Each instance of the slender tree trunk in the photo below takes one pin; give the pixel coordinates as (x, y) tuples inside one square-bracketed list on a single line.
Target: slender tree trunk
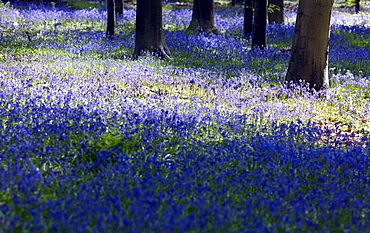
[(276, 11), (149, 37), (357, 6), (111, 18), (309, 56), (203, 17), (248, 17), (259, 26), (118, 7)]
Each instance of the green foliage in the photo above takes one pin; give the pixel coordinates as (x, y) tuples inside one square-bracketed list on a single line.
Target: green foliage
[(129, 145), (85, 4), (355, 39), (351, 3), (272, 8)]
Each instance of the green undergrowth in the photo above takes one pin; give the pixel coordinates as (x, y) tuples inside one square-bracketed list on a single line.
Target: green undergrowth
[(351, 3), (76, 4), (353, 38)]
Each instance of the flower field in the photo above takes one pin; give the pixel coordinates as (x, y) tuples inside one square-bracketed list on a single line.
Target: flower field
[(92, 140)]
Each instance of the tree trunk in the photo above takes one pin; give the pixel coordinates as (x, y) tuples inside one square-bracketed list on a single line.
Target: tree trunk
[(203, 17), (111, 18), (357, 6), (248, 17), (118, 7), (276, 11), (149, 37), (259, 26), (309, 56)]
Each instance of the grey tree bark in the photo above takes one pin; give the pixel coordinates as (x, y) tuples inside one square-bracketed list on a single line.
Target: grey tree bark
[(276, 11), (203, 17), (309, 55), (149, 36)]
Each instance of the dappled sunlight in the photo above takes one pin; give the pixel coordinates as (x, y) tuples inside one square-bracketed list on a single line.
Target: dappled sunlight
[(212, 140)]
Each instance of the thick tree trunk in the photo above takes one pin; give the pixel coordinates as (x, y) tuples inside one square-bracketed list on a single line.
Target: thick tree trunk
[(276, 11), (149, 38), (203, 17), (259, 26), (248, 17), (118, 7), (309, 57), (111, 18)]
